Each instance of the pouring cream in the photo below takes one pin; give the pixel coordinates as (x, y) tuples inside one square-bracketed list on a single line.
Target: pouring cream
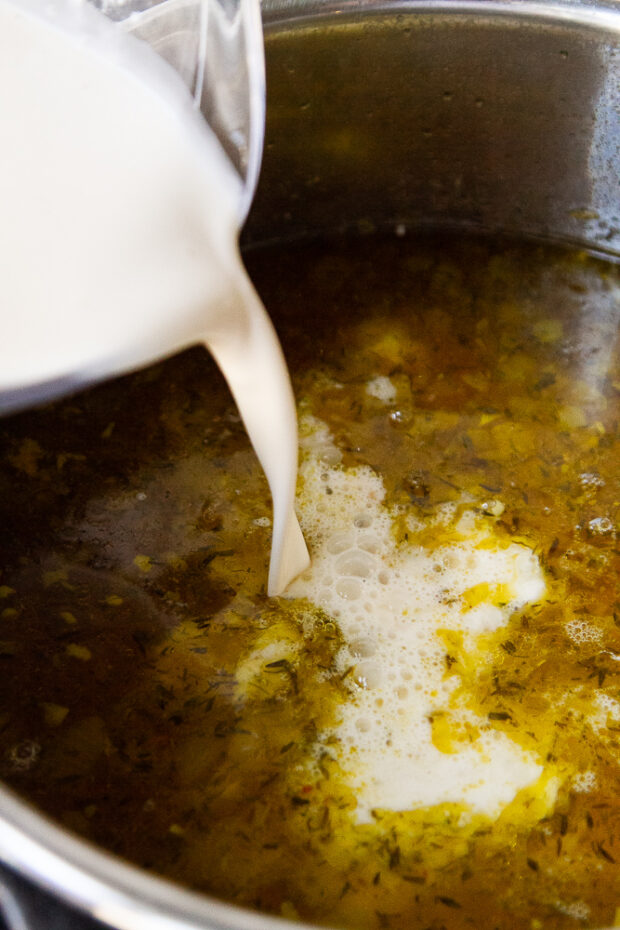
[(119, 238)]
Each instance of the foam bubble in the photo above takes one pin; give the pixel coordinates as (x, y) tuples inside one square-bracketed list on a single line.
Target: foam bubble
[(356, 562), (392, 605), (362, 647), (348, 588), (369, 542), (339, 542), (368, 675)]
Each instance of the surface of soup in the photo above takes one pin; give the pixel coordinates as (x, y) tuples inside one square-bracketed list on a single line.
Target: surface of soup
[(428, 725)]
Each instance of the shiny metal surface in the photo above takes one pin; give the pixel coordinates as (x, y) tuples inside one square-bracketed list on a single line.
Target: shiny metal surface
[(104, 887), (487, 115), (476, 115)]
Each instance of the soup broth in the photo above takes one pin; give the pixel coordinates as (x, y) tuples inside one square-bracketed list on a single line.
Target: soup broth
[(428, 723)]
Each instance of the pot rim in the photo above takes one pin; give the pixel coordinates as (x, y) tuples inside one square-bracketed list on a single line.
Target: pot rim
[(101, 884), (594, 14)]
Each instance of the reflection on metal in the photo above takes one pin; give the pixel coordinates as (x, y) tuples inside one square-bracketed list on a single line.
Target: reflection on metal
[(10, 909), (481, 115)]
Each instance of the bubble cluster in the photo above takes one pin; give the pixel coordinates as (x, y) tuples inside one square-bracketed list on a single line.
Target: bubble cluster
[(582, 631), (601, 526), (583, 782), (392, 604), (606, 708), (578, 910), (591, 480)]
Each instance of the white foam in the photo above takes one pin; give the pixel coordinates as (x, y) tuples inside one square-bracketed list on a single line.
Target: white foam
[(381, 388), (391, 602), (606, 708), (578, 910), (584, 782)]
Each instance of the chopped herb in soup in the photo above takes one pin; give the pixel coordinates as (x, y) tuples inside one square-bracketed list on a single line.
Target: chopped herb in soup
[(425, 732)]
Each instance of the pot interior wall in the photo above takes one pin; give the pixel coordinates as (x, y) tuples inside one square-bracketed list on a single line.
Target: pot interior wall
[(496, 120)]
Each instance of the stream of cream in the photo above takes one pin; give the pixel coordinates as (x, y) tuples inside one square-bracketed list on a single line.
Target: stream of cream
[(118, 235)]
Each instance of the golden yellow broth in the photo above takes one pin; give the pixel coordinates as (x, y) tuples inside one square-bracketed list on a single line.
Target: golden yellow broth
[(133, 577)]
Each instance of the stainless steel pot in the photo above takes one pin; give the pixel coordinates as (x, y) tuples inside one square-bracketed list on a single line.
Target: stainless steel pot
[(475, 114)]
